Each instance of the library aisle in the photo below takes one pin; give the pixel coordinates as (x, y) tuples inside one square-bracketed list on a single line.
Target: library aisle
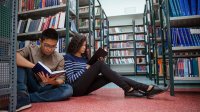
[(158, 46)]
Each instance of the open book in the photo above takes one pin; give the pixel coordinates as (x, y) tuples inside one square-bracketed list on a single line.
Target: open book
[(99, 53), (40, 67)]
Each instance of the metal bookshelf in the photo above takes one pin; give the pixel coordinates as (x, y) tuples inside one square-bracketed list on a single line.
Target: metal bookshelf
[(121, 67), (150, 40), (143, 49), (49, 11), (8, 79), (102, 38), (172, 53), (88, 15)]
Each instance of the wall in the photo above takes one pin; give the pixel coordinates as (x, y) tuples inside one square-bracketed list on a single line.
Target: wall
[(125, 19), (122, 7)]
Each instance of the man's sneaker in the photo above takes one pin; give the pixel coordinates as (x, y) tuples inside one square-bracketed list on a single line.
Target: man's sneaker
[(23, 101), (4, 102)]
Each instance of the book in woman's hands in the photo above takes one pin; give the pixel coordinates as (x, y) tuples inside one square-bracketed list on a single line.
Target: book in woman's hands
[(99, 53), (40, 67)]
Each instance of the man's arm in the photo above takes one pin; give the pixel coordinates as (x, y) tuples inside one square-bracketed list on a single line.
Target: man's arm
[(23, 62), (60, 79)]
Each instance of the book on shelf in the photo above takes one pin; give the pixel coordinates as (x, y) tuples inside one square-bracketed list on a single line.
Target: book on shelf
[(184, 7), (40, 67), (99, 53), (26, 5)]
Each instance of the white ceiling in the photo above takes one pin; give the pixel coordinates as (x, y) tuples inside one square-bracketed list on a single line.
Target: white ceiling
[(122, 7)]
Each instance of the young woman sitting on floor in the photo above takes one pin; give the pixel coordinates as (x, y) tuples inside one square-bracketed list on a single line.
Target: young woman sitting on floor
[(86, 78)]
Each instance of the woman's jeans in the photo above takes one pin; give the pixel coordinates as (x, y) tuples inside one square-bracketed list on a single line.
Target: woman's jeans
[(26, 81)]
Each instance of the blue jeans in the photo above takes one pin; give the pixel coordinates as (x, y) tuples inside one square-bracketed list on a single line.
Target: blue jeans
[(26, 81)]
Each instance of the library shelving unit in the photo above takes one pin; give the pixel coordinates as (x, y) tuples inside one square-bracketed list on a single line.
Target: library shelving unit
[(121, 49), (182, 47), (87, 22), (146, 41), (139, 50), (105, 25), (158, 46), (8, 79), (98, 25), (33, 18), (150, 42), (91, 23), (101, 27)]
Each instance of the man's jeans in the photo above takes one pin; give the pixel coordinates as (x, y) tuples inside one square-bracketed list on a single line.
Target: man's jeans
[(26, 81)]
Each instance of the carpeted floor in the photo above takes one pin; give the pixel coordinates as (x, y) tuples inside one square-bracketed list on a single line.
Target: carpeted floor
[(113, 100)]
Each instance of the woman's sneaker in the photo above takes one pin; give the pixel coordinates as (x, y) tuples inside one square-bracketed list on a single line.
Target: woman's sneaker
[(134, 93), (155, 91)]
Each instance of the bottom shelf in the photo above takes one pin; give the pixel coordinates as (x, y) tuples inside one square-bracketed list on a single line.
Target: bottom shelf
[(187, 78), (141, 73), (127, 73)]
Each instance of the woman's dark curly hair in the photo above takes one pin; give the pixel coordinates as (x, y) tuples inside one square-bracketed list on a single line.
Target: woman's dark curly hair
[(75, 44)]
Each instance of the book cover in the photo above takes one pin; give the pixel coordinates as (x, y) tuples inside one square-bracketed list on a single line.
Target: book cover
[(40, 67), (99, 53)]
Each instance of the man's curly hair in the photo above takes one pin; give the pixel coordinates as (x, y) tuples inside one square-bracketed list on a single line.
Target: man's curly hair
[(75, 44)]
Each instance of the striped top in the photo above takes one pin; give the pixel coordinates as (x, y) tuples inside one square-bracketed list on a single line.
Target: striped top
[(74, 67)]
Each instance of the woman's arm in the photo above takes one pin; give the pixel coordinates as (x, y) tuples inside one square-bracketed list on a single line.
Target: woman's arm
[(74, 70)]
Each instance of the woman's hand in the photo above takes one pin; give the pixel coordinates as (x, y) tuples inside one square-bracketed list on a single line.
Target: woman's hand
[(101, 59), (45, 78), (87, 66)]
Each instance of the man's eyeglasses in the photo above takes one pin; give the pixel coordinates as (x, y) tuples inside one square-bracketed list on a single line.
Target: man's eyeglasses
[(49, 46)]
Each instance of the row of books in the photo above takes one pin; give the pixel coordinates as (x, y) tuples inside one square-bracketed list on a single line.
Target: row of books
[(21, 44), (187, 67), (139, 29), (141, 69), (86, 10), (140, 44), (183, 37), (84, 23), (99, 33), (184, 7), (26, 5), (61, 45), (121, 44), (120, 29), (57, 22), (122, 53), (120, 37), (139, 37), (121, 61), (140, 52)]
